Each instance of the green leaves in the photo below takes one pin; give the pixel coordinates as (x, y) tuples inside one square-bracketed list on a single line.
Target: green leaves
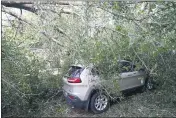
[(146, 37), (115, 5), (118, 28)]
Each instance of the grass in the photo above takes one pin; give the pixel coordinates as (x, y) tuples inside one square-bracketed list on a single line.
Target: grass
[(147, 104), (156, 103)]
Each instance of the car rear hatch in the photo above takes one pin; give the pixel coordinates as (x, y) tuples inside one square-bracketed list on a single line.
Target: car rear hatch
[(72, 78)]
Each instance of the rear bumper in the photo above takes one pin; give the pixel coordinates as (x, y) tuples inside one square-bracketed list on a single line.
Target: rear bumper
[(76, 102)]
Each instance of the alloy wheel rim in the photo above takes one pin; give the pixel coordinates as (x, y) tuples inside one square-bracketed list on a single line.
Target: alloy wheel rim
[(101, 102), (149, 85)]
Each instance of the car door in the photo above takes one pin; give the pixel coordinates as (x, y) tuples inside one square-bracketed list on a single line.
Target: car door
[(129, 78), (93, 76)]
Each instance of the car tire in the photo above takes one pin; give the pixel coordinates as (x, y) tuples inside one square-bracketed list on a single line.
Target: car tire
[(99, 103), (149, 84)]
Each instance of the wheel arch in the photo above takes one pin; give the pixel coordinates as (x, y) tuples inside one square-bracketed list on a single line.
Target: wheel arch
[(90, 96)]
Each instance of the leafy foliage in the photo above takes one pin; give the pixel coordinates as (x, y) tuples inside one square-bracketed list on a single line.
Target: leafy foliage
[(35, 57)]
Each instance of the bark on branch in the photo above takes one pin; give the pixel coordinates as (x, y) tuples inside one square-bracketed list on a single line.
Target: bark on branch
[(29, 6), (21, 5)]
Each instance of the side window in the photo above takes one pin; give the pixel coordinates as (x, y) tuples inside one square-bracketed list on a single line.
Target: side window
[(94, 72), (125, 67)]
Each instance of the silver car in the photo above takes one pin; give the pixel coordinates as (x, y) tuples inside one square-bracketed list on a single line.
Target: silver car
[(80, 86)]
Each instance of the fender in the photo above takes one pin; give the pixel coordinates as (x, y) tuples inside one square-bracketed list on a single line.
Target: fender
[(90, 95)]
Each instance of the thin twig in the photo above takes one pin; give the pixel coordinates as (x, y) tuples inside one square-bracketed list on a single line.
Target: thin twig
[(59, 91), (56, 41), (140, 58), (24, 94)]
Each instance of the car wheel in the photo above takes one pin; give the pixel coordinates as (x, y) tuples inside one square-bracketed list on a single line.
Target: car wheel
[(99, 103), (149, 84)]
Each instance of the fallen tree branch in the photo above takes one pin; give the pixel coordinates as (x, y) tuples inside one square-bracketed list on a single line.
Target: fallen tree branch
[(29, 5), (59, 91), (24, 94), (16, 16), (140, 59), (21, 5), (127, 18), (56, 41)]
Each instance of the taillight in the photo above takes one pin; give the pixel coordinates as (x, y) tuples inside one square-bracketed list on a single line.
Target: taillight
[(71, 97), (74, 80)]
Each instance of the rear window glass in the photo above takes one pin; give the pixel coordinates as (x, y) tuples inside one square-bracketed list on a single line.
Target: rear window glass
[(75, 71)]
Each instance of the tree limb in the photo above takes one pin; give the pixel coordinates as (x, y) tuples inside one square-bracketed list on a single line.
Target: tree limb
[(125, 17), (23, 94), (16, 16), (21, 5), (28, 5), (52, 39), (140, 59)]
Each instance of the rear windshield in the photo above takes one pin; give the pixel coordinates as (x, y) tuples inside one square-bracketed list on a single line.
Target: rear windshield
[(75, 71)]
